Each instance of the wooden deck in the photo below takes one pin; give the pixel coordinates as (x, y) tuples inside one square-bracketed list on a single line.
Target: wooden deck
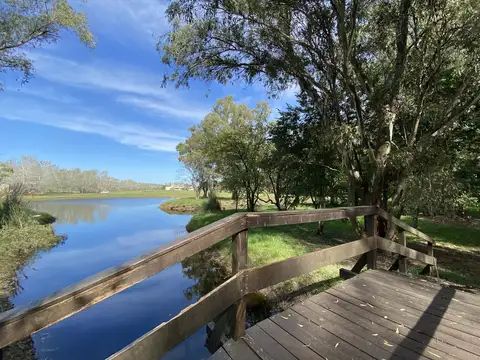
[(375, 315)]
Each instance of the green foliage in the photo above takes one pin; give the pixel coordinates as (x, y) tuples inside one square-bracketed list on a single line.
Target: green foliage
[(27, 24), (212, 204), (230, 143), (395, 83), (22, 235)]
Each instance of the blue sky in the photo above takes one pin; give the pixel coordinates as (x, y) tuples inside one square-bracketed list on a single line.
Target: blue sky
[(106, 109)]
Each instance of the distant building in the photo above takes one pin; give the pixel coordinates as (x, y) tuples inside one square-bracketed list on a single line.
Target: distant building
[(178, 187)]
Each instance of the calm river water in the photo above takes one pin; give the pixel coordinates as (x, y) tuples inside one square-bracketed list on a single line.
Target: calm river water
[(103, 233)]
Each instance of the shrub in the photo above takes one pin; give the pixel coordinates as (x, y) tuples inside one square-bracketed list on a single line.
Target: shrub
[(212, 204)]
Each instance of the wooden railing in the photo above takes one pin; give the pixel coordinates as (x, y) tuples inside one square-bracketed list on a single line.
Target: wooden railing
[(21, 322)]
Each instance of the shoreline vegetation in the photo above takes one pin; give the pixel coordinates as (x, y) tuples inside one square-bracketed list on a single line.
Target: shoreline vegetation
[(24, 233)]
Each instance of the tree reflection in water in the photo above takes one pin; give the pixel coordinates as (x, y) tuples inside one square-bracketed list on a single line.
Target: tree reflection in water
[(208, 271), (73, 212)]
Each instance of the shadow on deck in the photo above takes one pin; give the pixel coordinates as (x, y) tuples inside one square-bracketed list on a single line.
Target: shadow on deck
[(377, 314)]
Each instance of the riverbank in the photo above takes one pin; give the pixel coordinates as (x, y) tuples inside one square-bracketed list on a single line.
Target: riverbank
[(190, 205), (457, 252), (113, 195)]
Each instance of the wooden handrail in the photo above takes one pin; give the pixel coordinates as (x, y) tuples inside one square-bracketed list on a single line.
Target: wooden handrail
[(387, 216), (21, 322), (164, 337)]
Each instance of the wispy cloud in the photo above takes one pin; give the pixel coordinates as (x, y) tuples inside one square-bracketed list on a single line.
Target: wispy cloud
[(46, 93), (161, 108), (127, 19), (99, 76), (146, 138)]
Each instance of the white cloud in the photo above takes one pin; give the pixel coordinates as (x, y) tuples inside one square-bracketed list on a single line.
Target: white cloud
[(158, 107), (127, 20), (46, 93), (99, 76), (131, 134)]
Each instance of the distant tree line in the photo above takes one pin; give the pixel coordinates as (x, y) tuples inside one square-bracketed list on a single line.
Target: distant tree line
[(40, 176)]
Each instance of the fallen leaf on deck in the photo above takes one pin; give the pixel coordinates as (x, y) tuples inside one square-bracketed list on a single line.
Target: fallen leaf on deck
[(374, 334), (284, 317), (300, 325), (336, 345), (387, 343)]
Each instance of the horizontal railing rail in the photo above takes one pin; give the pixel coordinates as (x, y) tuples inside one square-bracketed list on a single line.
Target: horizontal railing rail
[(21, 322)]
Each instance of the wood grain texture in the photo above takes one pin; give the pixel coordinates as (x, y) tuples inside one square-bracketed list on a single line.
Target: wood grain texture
[(164, 337), (404, 226), (390, 246), (264, 219), (263, 276), (239, 263)]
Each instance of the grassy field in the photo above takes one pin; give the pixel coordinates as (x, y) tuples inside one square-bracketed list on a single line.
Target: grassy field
[(457, 249), (118, 194)]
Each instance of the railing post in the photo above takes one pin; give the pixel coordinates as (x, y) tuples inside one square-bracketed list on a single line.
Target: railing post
[(371, 230), (429, 268), (239, 263), (402, 260)]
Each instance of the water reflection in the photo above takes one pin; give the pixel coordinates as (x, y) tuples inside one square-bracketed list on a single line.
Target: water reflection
[(206, 270), (72, 212)]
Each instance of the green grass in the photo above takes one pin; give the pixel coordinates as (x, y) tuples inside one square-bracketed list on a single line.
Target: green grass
[(116, 194), (449, 235), (267, 245), (192, 205), (456, 249)]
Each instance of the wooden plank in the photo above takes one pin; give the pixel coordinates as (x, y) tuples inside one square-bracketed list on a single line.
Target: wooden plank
[(402, 260), (334, 325), (393, 312), (381, 317), (404, 346), (428, 270), (416, 289), (265, 346), (220, 354), (20, 322), (465, 299), (346, 274), (263, 219), (360, 264), (164, 337), (261, 277), (371, 228), (289, 342), (404, 226), (441, 307), (318, 339), (390, 246), (239, 263), (412, 308), (239, 350)]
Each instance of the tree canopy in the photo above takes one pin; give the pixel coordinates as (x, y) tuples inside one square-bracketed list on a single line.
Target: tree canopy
[(27, 24), (396, 82)]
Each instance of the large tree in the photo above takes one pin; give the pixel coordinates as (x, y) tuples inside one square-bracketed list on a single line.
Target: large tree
[(27, 24), (232, 140), (397, 78)]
